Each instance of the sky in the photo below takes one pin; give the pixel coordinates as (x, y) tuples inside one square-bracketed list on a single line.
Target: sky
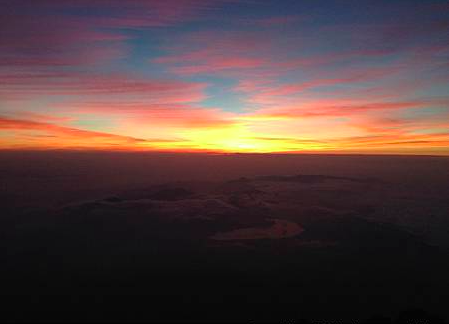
[(225, 76)]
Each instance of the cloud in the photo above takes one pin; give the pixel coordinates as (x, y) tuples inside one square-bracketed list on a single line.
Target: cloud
[(34, 41), (275, 21), (18, 124), (35, 134), (218, 64), (291, 82), (142, 114), (52, 33), (44, 84), (218, 51), (332, 108), (189, 118), (122, 14)]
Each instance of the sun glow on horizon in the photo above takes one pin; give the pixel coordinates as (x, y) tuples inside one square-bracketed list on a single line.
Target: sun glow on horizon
[(126, 75)]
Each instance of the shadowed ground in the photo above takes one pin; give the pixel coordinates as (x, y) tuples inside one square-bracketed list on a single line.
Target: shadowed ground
[(345, 244)]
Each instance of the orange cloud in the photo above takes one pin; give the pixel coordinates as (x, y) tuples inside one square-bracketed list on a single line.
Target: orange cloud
[(33, 134)]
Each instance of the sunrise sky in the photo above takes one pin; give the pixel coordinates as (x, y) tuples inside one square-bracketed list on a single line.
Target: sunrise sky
[(225, 76)]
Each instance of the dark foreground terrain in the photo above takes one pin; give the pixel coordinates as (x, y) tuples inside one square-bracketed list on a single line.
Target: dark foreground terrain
[(236, 238)]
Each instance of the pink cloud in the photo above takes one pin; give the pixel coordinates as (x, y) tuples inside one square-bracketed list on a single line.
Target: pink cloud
[(218, 64), (335, 108), (31, 85), (47, 33), (210, 52), (38, 41)]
